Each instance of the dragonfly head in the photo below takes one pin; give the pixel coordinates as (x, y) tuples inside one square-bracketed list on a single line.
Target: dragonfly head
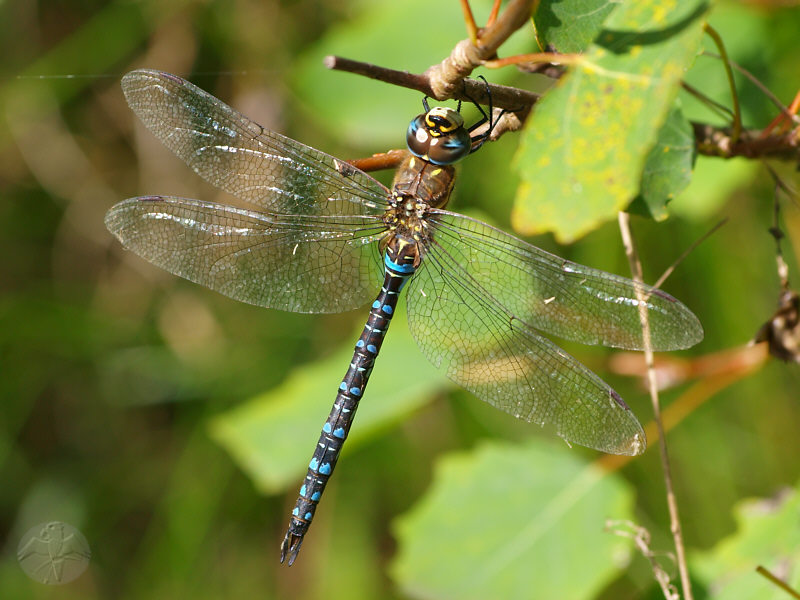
[(439, 136)]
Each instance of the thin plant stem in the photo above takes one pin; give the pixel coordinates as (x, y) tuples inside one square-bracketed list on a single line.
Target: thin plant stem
[(469, 21), (712, 104), (737, 115), (641, 539), (756, 82), (537, 57), (686, 252), (774, 579), (493, 15), (652, 384)]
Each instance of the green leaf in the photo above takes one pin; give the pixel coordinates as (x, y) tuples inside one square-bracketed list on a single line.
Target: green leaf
[(668, 169), (583, 150), (570, 26), (767, 535), (272, 436), (513, 522)]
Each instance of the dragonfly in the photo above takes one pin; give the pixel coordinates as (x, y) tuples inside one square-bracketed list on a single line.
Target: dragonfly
[(322, 236)]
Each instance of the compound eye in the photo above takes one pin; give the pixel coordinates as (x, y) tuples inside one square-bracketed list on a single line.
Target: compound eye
[(418, 138), (450, 148)]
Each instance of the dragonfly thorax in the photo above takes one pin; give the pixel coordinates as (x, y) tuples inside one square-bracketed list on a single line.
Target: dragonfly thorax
[(418, 181), (439, 136)]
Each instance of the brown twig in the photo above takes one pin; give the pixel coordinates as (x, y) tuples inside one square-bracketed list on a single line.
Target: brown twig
[(503, 96), (719, 141), (445, 77), (675, 523)]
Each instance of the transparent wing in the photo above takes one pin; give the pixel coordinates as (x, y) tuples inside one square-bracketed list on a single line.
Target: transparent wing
[(461, 329), (298, 263), (560, 297), (270, 171)]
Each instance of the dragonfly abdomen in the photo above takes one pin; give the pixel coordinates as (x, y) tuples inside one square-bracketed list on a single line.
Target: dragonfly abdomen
[(351, 390)]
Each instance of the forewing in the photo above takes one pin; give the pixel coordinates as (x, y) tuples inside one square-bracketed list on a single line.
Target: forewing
[(560, 297), (480, 346), (298, 263), (268, 170)]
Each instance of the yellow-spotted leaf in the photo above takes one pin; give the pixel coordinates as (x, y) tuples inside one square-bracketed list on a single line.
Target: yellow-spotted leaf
[(584, 149)]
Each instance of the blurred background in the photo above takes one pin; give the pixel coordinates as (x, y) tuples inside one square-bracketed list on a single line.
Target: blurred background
[(162, 419)]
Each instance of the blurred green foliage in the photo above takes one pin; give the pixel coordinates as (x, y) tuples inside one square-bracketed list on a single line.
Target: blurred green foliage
[(122, 387)]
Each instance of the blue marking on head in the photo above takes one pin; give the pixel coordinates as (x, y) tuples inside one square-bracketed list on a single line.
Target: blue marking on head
[(355, 391), (308, 516), (303, 490), (413, 127), (339, 433), (325, 469), (360, 344), (316, 496), (326, 428), (313, 464), (296, 512), (372, 348), (393, 266), (343, 386), (453, 143), (376, 304), (387, 309)]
